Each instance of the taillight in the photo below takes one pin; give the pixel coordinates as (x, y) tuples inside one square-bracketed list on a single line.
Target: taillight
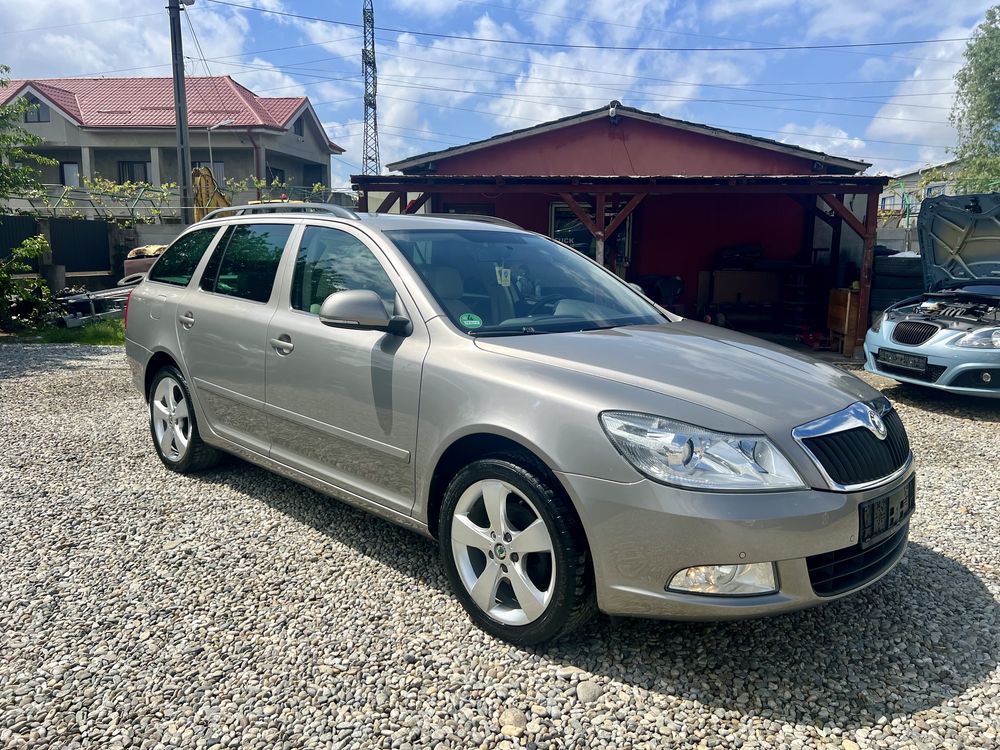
[(127, 300)]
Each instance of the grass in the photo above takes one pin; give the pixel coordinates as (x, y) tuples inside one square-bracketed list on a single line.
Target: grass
[(104, 332)]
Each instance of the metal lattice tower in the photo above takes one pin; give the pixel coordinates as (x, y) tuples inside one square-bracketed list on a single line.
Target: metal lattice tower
[(369, 163)]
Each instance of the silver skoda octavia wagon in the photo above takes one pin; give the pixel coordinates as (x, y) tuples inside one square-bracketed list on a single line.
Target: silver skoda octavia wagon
[(570, 445)]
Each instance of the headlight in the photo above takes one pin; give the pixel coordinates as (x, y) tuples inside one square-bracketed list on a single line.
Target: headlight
[(681, 454), (987, 338), (878, 322)]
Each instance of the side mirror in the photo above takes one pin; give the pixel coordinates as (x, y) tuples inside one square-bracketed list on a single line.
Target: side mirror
[(362, 309)]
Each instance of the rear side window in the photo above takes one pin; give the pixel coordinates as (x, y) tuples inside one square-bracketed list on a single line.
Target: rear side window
[(329, 261), (246, 261), (177, 264)]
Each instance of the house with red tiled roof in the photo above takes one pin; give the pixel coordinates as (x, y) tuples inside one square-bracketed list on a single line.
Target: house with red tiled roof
[(123, 129)]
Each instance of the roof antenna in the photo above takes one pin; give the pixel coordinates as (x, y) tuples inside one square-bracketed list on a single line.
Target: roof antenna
[(613, 111)]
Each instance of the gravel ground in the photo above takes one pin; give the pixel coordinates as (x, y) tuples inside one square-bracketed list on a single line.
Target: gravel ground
[(139, 608)]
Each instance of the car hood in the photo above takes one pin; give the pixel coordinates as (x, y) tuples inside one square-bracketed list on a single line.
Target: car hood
[(959, 238), (767, 386)]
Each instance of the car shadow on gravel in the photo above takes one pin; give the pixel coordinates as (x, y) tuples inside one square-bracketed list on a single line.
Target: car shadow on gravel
[(923, 635), (942, 402)]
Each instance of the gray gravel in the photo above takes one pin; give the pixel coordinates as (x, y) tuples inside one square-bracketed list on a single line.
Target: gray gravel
[(139, 608)]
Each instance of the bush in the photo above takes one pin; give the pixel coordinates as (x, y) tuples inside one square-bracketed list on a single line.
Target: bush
[(24, 303)]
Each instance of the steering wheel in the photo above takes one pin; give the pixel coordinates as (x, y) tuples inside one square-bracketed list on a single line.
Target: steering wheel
[(548, 299)]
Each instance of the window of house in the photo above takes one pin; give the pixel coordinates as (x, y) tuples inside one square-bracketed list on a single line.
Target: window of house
[(933, 190), (134, 171), (217, 167), (177, 263), (273, 173), (565, 226), (39, 112), (298, 127), (329, 261), (69, 173), (246, 260), (889, 202)]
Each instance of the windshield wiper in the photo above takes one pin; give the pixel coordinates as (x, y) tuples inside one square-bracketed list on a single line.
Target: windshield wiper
[(522, 331)]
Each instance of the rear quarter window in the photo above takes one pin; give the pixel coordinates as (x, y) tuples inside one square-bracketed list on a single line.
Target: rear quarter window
[(176, 265)]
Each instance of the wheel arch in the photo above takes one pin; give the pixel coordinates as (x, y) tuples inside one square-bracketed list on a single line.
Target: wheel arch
[(157, 362), (487, 444)]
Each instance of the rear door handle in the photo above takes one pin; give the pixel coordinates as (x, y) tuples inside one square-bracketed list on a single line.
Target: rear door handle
[(283, 345), (187, 320)]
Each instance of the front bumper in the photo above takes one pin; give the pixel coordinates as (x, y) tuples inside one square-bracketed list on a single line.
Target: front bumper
[(950, 368), (641, 534)]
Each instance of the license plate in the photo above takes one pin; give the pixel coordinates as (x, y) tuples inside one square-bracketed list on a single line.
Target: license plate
[(901, 359), (882, 517)]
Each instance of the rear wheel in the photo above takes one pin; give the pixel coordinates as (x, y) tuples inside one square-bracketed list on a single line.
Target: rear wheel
[(514, 552), (173, 425)]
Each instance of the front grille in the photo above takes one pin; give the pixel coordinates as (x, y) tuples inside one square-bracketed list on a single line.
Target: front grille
[(912, 333), (857, 456), (930, 374), (835, 572)]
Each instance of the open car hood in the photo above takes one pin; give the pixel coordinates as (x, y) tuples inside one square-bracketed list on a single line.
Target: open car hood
[(959, 238)]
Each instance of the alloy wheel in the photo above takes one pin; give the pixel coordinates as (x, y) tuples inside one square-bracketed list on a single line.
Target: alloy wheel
[(503, 552), (171, 419)]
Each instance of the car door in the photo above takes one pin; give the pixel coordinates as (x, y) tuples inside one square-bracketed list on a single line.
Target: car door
[(342, 404), (222, 328)]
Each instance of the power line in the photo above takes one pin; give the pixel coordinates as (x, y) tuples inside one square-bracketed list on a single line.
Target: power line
[(622, 48), (78, 23)]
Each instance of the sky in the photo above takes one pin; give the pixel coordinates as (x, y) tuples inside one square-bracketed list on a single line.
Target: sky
[(454, 71)]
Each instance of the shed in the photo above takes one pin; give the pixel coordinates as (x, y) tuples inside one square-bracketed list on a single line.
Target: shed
[(751, 227)]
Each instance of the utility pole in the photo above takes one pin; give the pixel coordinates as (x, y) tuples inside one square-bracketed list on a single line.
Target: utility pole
[(369, 159), (180, 110)]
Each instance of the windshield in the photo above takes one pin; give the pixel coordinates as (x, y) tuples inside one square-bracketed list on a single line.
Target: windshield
[(511, 283)]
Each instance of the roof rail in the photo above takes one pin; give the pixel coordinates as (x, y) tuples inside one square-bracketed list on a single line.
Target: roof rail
[(476, 217), (282, 207)]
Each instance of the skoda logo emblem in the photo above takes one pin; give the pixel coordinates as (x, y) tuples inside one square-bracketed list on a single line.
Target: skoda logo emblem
[(500, 551), (876, 425)]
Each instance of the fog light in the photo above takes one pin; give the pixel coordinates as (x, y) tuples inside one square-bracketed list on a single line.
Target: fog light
[(986, 377), (726, 580)]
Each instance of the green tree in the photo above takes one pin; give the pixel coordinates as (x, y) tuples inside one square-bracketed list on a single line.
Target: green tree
[(17, 177), (976, 111)]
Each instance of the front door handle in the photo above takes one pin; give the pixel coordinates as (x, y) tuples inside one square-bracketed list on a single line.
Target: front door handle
[(187, 320), (283, 345)]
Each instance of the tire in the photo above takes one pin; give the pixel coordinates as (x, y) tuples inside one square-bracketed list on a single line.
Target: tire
[(905, 283), (491, 572), (892, 266), (173, 425)]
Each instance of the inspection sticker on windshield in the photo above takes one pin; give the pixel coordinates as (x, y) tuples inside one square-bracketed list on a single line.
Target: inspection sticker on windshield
[(470, 320)]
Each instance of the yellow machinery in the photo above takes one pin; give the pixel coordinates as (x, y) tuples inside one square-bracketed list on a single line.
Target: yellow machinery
[(207, 195)]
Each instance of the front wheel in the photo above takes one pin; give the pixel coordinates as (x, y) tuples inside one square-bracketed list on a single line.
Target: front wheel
[(514, 552), (174, 427)]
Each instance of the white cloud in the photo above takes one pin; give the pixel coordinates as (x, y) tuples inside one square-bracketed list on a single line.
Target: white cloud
[(822, 136)]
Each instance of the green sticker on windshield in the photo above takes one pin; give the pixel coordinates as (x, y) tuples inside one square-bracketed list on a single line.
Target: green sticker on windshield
[(470, 320)]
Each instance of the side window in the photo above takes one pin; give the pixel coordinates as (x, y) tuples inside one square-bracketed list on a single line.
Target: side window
[(329, 261), (246, 260), (177, 263)]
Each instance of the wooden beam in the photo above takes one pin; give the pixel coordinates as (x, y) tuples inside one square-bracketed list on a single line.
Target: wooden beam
[(363, 201), (389, 202), (841, 210), (582, 215), (867, 262), (413, 206), (599, 216), (623, 214), (633, 188)]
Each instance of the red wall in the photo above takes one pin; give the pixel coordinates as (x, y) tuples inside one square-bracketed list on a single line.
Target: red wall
[(674, 235), (633, 147)]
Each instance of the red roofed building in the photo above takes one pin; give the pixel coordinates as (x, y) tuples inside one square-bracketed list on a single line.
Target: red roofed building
[(123, 129)]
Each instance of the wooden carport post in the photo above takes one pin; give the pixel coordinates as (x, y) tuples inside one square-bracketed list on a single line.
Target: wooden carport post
[(597, 227), (867, 232)]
